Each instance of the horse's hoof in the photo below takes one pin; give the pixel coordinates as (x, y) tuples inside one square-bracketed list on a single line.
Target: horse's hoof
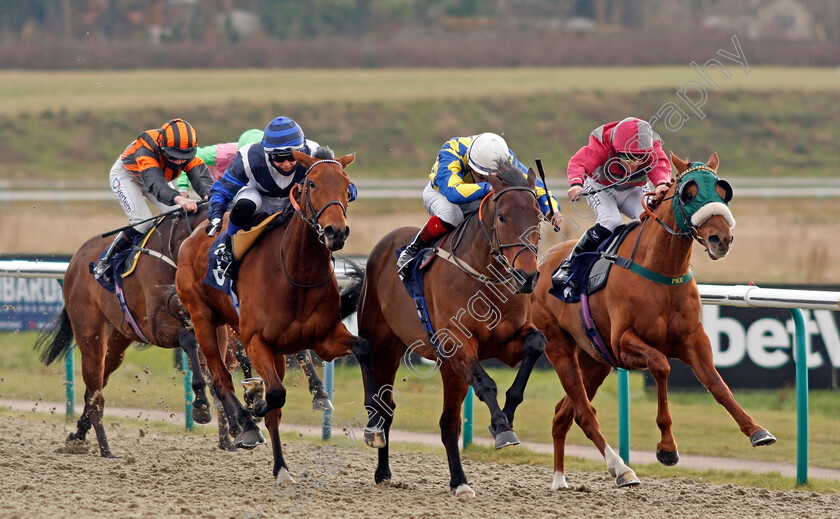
[(505, 439), (261, 408), (322, 404), (201, 414), (375, 439), (74, 438), (381, 477), (463, 490), (227, 445), (284, 478), (762, 437), (249, 439), (559, 481), (668, 458), (628, 479)]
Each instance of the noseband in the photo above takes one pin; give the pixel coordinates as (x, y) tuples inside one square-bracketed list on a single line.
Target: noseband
[(306, 201), (492, 240), (312, 221), (493, 236)]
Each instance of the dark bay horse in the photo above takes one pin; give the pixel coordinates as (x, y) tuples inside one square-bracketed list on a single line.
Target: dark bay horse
[(477, 305), (643, 322), (288, 295), (93, 316)]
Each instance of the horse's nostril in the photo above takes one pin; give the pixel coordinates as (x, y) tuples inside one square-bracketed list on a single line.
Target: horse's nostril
[(714, 239), (346, 232), (329, 231)]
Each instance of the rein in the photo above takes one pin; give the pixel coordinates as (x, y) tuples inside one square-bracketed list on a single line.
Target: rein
[(311, 221), (492, 239)]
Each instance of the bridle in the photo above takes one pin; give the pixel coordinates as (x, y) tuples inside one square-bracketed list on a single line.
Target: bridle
[(311, 220), (492, 236), (306, 201), (680, 212)]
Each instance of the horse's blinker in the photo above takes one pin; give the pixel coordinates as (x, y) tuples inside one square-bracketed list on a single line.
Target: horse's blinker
[(704, 178)]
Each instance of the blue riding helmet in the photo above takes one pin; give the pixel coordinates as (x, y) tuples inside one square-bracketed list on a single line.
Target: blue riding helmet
[(282, 135)]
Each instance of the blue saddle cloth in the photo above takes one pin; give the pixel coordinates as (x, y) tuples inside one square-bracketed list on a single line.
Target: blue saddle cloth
[(582, 276), (215, 273), (579, 280), (118, 263), (414, 284)]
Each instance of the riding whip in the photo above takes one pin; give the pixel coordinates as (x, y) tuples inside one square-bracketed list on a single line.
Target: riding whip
[(548, 196), (115, 231)]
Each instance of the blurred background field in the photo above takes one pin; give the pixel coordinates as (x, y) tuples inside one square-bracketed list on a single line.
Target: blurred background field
[(773, 123)]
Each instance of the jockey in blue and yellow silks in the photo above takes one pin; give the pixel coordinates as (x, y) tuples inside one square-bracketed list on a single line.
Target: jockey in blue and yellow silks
[(458, 184)]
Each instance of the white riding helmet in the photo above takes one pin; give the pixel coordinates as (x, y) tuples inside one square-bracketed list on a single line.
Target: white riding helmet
[(485, 150)]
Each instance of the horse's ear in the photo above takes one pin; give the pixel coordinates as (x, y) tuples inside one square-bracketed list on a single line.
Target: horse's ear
[(678, 162), (303, 158), (532, 179), (495, 182), (346, 160), (713, 162)]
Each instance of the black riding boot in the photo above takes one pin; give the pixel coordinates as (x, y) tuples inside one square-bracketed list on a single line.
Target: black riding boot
[(226, 258), (102, 270), (589, 242), (408, 254)]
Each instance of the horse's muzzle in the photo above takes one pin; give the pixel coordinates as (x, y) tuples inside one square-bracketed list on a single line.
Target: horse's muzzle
[(334, 238), (718, 247), (525, 282)]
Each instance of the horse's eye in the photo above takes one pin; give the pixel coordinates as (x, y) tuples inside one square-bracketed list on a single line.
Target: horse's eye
[(501, 218), (312, 185)]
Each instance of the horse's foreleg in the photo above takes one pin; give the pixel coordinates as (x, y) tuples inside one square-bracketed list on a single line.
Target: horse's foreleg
[(272, 367), (699, 357), (201, 406), (636, 354), (241, 356), (249, 435), (454, 390), (533, 345), (465, 363), (581, 376), (320, 399)]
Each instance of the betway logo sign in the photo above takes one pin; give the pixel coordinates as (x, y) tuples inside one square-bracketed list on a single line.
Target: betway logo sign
[(769, 342)]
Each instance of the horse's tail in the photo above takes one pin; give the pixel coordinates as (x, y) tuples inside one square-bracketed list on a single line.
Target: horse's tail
[(56, 338), (350, 294)]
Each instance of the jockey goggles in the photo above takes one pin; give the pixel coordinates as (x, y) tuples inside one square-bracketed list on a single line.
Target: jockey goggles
[(175, 154), (279, 158), (632, 157)]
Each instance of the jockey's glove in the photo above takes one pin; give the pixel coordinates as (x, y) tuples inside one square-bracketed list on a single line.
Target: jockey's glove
[(214, 226)]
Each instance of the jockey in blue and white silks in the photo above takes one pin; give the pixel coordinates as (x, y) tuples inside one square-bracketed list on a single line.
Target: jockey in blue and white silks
[(260, 177), (458, 185)]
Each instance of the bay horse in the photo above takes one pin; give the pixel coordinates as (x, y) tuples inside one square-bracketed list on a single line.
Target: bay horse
[(288, 296), (478, 305), (92, 315), (645, 314)]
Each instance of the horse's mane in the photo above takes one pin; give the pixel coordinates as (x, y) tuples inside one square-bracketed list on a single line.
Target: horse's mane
[(510, 174), (324, 152)]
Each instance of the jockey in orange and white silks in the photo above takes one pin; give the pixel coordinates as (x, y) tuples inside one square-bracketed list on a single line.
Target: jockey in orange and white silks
[(458, 186), (613, 171), (145, 170)]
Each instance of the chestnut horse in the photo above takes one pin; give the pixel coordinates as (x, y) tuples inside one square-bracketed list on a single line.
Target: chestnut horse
[(643, 321), (93, 316), (288, 295), (478, 307)]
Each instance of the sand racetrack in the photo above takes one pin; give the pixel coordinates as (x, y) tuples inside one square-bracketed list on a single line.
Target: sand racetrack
[(170, 475)]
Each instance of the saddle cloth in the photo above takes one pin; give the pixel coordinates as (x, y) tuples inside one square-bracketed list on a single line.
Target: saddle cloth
[(590, 270)]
